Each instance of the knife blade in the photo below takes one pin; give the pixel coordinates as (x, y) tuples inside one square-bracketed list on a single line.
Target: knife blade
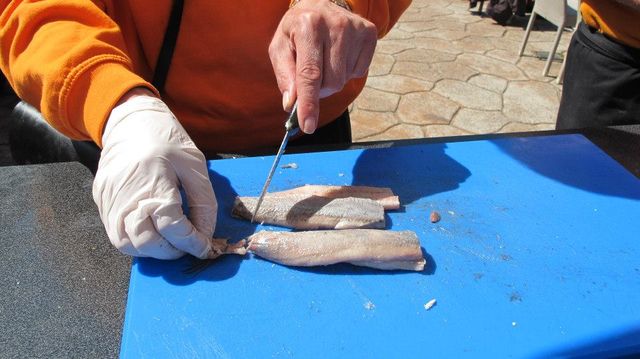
[(291, 127)]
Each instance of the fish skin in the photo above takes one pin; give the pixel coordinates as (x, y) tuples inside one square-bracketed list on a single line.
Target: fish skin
[(382, 195), (312, 212), (381, 249)]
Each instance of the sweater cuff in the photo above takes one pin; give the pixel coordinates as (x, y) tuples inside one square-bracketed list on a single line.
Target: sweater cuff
[(93, 93)]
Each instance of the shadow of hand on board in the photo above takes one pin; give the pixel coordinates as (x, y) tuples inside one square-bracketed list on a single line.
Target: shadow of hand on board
[(412, 172)]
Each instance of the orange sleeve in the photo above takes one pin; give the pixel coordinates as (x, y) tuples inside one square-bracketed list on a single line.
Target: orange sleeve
[(383, 13), (68, 59)]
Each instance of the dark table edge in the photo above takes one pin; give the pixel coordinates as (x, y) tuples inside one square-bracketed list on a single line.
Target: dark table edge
[(621, 143)]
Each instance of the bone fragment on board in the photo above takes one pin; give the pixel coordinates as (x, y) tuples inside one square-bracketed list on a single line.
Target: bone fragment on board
[(381, 249), (312, 212), (382, 195)]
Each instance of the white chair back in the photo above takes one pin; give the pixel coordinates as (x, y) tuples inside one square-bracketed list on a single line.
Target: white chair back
[(552, 10)]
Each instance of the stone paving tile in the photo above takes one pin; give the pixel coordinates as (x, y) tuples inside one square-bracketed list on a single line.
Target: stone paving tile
[(533, 66), (398, 132), (504, 55), (381, 64), (524, 127), (437, 44), (416, 26), (446, 71), (507, 44), (448, 35), (489, 82), (531, 102), (372, 123), (376, 100), (468, 95), (424, 108), (491, 66), (397, 34), (452, 71), (392, 47), (474, 44), (424, 55), (399, 84), (486, 29), (443, 131), (479, 122)]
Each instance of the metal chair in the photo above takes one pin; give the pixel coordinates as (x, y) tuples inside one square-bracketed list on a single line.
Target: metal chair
[(557, 12)]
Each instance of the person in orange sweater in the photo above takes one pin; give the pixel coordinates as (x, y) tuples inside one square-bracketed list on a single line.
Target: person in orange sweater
[(236, 68), (602, 75)]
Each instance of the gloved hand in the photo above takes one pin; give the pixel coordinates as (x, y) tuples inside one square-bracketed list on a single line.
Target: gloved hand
[(147, 155)]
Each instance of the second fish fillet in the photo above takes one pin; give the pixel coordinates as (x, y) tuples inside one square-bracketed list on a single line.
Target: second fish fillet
[(373, 248)]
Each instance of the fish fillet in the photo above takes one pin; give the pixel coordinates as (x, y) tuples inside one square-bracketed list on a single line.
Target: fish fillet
[(312, 212), (381, 249), (382, 195)]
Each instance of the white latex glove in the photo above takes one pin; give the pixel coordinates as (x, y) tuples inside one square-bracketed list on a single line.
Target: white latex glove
[(147, 155)]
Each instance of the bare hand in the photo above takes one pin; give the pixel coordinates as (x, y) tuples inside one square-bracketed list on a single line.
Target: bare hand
[(317, 48)]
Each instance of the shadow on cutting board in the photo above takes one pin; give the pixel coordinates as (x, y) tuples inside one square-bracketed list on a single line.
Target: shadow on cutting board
[(412, 174), (624, 343), (574, 161)]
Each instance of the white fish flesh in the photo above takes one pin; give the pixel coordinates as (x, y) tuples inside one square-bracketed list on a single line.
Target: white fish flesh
[(381, 249), (382, 195), (312, 212)]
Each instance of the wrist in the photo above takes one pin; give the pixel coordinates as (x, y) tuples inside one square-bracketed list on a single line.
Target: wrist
[(342, 3), (135, 92)]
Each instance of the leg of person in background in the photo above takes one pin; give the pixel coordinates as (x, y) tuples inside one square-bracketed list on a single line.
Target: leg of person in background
[(601, 82)]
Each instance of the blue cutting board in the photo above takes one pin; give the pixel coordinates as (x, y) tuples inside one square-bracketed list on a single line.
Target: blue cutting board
[(537, 254)]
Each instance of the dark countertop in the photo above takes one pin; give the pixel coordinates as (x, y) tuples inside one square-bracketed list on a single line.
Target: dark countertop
[(65, 286)]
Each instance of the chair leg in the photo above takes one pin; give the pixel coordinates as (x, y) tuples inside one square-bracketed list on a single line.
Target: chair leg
[(561, 73), (526, 33), (552, 53), (560, 78), (481, 5)]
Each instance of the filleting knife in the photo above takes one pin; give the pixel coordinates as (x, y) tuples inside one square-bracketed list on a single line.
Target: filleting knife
[(291, 127)]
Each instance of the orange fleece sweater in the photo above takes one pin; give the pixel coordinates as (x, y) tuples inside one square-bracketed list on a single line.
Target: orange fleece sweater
[(73, 60), (615, 20)]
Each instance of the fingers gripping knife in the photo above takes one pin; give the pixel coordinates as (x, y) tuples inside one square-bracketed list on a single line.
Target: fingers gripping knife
[(291, 127)]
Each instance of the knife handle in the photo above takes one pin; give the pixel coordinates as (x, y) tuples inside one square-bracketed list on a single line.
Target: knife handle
[(292, 125)]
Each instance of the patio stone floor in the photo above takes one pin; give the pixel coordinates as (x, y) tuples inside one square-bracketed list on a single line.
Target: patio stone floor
[(445, 70)]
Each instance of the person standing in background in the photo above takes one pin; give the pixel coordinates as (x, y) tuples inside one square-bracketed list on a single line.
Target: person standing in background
[(602, 75)]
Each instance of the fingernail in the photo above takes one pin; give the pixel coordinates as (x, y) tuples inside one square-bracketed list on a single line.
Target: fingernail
[(309, 125), (285, 100)]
